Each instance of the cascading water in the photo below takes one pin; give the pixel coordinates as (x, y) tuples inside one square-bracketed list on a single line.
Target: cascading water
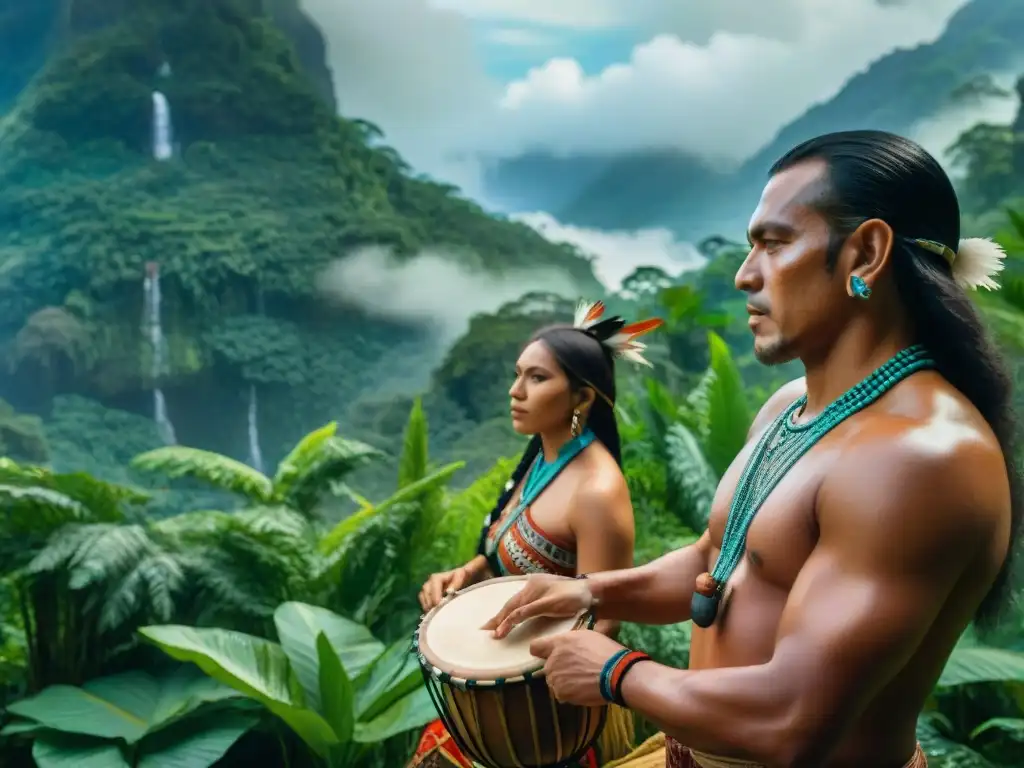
[(163, 131), (255, 454), (151, 320)]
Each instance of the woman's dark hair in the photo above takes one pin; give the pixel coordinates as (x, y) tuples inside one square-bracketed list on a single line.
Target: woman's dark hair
[(878, 175), (587, 363)]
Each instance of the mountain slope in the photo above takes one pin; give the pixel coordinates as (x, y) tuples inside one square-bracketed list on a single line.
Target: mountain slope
[(895, 92), (266, 188)]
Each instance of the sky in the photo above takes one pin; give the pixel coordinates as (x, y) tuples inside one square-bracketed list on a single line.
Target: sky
[(454, 83)]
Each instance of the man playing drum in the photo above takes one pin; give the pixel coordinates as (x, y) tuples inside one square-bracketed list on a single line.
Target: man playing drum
[(887, 503)]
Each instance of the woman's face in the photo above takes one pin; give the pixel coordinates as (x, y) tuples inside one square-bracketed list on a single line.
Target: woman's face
[(542, 399)]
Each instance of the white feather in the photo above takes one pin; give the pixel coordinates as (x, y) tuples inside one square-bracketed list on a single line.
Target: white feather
[(581, 313), (634, 356), (977, 262)]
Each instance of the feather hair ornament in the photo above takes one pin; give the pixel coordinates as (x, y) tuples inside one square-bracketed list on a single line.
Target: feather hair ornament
[(974, 265), (613, 332)]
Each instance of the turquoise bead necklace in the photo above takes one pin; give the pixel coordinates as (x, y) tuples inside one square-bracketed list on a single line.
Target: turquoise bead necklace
[(541, 475), (779, 448)]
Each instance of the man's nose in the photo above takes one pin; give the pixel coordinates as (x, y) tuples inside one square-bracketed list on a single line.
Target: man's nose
[(748, 276)]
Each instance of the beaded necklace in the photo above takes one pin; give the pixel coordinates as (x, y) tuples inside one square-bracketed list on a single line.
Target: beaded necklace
[(540, 477), (779, 448)]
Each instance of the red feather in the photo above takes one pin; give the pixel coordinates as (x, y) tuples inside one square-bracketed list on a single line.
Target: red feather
[(595, 312), (644, 326)]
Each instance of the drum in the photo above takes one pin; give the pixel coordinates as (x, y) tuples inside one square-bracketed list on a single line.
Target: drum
[(490, 693)]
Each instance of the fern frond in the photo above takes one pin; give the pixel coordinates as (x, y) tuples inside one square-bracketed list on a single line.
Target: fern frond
[(32, 511), (304, 452), (415, 457), (153, 584), (108, 555), (304, 485), (221, 472), (692, 478)]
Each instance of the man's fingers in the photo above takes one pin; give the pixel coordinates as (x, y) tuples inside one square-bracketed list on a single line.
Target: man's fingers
[(518, 616), (542, 647), (510, 605)]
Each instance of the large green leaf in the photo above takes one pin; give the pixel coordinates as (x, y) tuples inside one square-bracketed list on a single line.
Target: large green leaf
[(944, 752), (256, 667), (728, 416), (409, 712), (979, 664), (53, 749), (335, 690), (197, 742), (298, 624), (393, 676), (124, 706)]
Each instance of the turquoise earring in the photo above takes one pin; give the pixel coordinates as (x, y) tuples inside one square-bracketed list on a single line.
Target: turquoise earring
[(859, 288)]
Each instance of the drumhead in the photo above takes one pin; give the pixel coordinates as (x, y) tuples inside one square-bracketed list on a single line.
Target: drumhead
[(450, 638)]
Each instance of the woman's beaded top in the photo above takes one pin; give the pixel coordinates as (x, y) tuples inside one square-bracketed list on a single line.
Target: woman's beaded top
[(778, 449)]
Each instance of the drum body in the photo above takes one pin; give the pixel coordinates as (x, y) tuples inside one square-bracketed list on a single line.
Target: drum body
[(491, 694)]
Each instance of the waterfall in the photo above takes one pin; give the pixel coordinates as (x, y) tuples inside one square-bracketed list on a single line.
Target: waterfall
[(255, 455), (151, 320), (163, 132)]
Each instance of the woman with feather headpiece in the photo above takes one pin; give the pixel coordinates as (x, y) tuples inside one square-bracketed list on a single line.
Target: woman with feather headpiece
[(566, 509)]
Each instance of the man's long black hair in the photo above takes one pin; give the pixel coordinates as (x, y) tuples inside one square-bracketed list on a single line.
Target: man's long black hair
[(878, 175)]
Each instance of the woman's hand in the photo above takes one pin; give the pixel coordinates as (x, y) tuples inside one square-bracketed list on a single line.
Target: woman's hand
[(544, 595), (440, 584)]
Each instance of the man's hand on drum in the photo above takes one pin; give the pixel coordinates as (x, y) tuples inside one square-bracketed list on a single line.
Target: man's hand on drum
[(440, 584), (543, 595), (574, 664)]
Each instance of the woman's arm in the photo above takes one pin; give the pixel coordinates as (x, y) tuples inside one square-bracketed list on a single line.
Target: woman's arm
[(602, 521)]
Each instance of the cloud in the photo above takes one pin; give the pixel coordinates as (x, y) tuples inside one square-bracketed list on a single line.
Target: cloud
[(432, 288), (723, 98), (578, 14), (412, 69), (938, 133), (518, 37), (617, 253)]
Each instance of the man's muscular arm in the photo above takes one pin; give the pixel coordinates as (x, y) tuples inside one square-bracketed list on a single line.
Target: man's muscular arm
[(901, 520), (656, 593)]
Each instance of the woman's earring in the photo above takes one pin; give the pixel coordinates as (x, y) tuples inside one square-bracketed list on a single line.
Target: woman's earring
[(858, 288), (574, 430)]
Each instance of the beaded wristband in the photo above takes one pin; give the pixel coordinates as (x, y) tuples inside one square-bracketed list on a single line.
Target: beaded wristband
[(614, 672), (606, 674)]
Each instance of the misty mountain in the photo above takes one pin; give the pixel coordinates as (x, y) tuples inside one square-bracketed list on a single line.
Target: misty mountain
[(670, 188)]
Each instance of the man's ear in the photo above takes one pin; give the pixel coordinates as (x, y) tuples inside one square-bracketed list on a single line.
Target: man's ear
[(867, 252)]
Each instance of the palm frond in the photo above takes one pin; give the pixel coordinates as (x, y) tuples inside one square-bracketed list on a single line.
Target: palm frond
[(222, 472)]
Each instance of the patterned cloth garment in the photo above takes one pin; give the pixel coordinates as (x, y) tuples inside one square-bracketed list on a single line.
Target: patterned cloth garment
[(527, 548), (678, 756)]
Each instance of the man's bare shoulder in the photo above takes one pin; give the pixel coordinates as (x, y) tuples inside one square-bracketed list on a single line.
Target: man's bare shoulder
[(777, 403), (940, 471)]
